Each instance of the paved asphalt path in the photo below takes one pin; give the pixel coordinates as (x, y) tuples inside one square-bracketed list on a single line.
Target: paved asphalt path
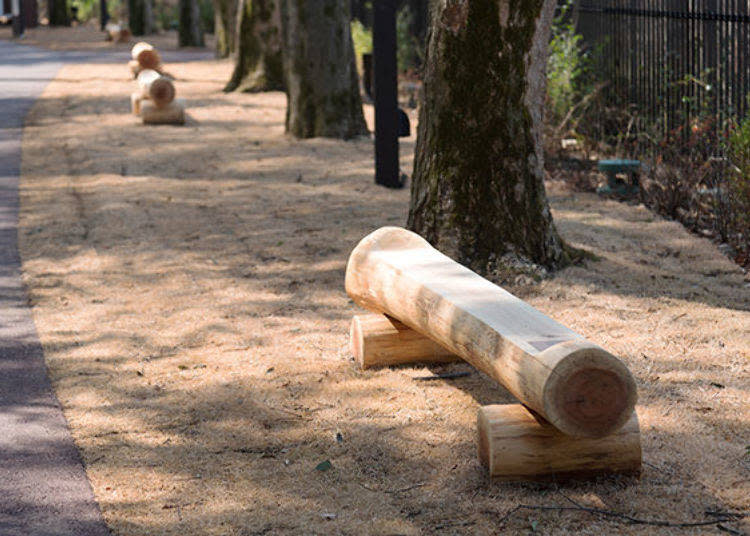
[(44, 490)]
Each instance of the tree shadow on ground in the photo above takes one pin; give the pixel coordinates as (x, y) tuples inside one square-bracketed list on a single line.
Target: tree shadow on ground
[(188, 288)]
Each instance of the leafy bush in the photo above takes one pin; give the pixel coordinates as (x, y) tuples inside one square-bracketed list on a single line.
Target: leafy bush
[(409, 52), (167, 15), (567, 66), (362, 38), (89, 9), (207, 15), (735, 190)]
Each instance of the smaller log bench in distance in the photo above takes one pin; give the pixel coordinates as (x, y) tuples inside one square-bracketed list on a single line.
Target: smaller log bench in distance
[(159, 89), (580, 388), (146, 56), (155, 102), (117, 33)]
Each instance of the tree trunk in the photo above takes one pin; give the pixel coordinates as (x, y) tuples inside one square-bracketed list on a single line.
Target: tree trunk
[(138, 11), (320, 71), (225, 26), (57, 11), (149, 23), (258, 65), (190, 29), (477, 189)]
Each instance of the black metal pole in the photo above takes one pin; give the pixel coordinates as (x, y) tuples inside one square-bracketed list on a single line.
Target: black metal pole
[(386, 94), (18, 22), (103, 14)]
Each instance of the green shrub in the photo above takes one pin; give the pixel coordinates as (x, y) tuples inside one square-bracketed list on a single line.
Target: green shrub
[(167, 16), (207, 15), (735, 196), (408, 47), (567, 67)]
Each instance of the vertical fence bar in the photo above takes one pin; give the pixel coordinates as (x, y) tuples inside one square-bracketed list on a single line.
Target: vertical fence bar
[(742, 52)]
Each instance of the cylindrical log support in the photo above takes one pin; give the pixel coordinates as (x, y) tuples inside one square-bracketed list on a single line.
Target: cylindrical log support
[(378, 340), (146, 55), (135, 102), (580, 388), (156, 87), (171, 114), (515, 444)]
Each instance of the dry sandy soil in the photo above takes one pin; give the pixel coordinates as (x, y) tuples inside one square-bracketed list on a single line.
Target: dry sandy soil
[(187, 285)]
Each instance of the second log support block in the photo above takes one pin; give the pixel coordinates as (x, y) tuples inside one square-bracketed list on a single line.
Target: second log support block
[(380, 341), (515, 444), (171, 114)]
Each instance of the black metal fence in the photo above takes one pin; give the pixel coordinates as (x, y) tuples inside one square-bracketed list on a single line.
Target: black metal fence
[(673, 62)]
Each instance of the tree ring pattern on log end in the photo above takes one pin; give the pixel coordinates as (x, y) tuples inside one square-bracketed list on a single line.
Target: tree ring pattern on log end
[(149, 59), (590, 393), (162, 91)]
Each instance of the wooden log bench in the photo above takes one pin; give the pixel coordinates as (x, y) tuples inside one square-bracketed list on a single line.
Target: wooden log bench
[(155, 101), (579, 393), (146, 56)]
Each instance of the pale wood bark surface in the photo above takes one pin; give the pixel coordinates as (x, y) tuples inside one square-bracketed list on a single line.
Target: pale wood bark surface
[(146, 55), (377, 340), (171, 114), (514, 444), (579, 387), (159, 89)]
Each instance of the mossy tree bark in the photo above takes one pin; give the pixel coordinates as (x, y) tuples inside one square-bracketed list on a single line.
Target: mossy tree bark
[(477, 189), (57, 12), (258, 62), (190, 32), (320, 71), (225, 26), (141, 17)]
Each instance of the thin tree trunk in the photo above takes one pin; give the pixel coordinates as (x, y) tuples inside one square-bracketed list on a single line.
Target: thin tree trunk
[(57, 12), (141, 17), (322, 81), (136, 17), (103, 14), (258, 63), (149, 23), (190, 29), (477, 188), (225, 27)]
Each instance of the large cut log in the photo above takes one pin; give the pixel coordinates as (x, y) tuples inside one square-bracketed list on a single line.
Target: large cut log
[(577, 386), (159, 89), (515, 444), (171, 114), (377, 340), (146, 55)]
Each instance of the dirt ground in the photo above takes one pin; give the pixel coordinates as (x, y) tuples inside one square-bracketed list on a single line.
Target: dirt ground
[(187, 285)]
